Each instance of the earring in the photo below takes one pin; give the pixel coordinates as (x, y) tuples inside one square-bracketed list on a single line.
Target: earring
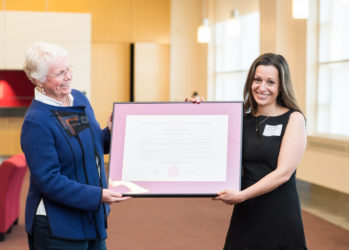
[(43, 91)]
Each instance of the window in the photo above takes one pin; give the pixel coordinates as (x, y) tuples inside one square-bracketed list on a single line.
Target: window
[(333, 68), (234, 55)]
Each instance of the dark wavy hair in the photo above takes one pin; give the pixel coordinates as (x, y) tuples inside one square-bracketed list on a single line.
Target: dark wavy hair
[(286, 96)]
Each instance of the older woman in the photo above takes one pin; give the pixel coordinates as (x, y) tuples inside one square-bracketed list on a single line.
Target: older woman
[(67, 202)]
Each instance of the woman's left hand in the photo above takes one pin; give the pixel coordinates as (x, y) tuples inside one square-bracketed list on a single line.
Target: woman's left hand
[(230, 196), (109, 196)]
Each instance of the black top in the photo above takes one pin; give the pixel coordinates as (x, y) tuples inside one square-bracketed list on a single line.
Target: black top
[(272, 220)]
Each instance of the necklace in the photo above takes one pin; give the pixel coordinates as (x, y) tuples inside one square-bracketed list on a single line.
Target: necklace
[(259, 123)]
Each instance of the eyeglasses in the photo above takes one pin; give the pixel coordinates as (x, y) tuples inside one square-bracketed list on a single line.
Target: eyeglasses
[(62, 74)]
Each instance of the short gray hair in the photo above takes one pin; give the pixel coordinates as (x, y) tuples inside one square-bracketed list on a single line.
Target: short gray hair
[(39, 58)]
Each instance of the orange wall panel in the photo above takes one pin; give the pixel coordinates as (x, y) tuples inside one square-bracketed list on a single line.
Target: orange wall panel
[(151, 21), (69, 6), (10, 131), (111, 20), (32, 5), (110, 77)]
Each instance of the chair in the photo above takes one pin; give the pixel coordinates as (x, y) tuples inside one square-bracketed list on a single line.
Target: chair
[(12, 172)]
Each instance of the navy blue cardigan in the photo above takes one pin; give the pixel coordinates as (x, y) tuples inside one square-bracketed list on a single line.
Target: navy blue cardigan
[(64, 149)]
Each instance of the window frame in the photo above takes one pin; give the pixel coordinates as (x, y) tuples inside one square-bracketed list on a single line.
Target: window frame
[(212, 78), (325, 141)]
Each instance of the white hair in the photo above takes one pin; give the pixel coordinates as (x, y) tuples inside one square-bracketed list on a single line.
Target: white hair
[(39, 59)]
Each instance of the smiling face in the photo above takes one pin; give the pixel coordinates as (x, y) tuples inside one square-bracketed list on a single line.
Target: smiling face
[(265, 86), (58, 80)]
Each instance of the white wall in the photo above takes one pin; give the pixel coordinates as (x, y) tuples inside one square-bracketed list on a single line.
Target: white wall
[(19, 29)]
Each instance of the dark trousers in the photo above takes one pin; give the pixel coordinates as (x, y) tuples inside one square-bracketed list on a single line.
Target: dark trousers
[(41, 239)]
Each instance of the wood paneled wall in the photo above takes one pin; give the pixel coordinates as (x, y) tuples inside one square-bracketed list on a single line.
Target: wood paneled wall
[(151, 72), (10, 130), (115, 24), (111, 75), (112, 20)]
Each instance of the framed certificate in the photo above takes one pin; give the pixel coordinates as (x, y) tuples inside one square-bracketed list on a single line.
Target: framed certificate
[(175, 148)]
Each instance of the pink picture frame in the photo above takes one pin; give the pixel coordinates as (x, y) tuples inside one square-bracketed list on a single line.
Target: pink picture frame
[(164, 149)]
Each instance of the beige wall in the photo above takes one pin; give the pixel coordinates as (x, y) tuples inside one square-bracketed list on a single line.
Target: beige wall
[(151, 72), (188, 58), (327, 169)]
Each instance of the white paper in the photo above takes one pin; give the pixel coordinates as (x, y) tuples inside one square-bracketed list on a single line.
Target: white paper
[(270, 130), (175, 148)]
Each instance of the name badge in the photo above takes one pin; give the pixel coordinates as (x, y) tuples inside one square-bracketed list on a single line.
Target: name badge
[(270, 130)]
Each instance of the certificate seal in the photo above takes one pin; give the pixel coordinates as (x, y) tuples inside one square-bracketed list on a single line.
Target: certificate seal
[(173, 171)]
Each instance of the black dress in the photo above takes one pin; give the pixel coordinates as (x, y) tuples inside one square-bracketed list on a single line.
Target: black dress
[(273, 220)]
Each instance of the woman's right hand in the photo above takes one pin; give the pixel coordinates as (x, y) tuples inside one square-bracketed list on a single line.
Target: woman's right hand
[(109, 196), (230, 196)]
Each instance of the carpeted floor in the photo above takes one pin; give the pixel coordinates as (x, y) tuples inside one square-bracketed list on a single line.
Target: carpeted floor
[(180, 224)]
